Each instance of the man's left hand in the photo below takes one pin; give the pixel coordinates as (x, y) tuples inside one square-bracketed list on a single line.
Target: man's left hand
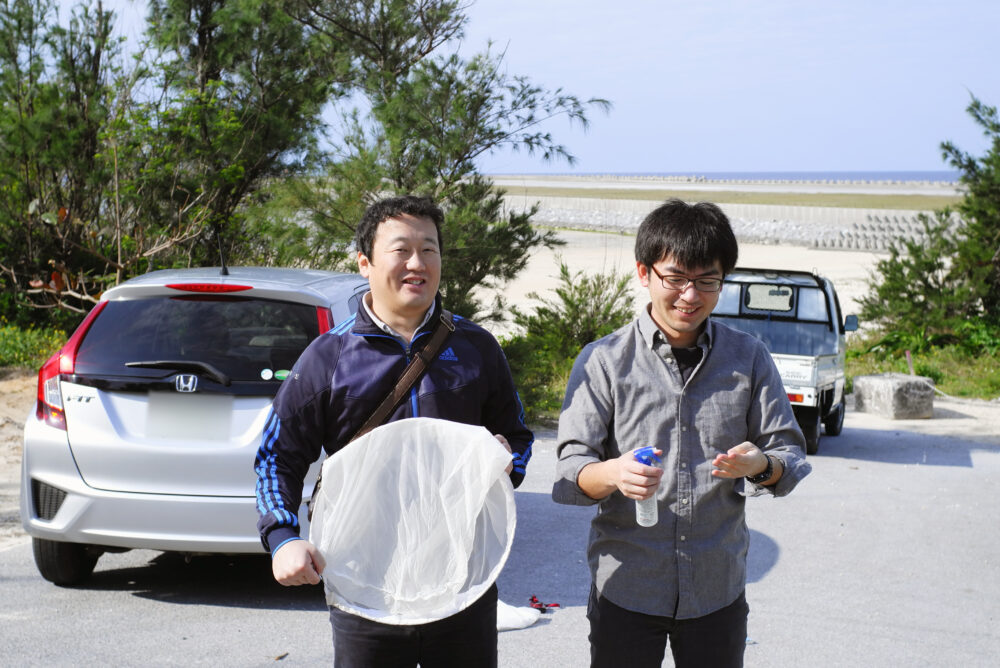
[(742, 460)]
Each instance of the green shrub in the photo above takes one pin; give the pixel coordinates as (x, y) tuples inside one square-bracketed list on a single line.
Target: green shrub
[(979, 337), (541, 357), (929, 370), (539, 375), (28, 348), (587, 308)]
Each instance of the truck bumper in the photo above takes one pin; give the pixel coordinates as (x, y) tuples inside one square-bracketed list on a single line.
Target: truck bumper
[(802, 396)]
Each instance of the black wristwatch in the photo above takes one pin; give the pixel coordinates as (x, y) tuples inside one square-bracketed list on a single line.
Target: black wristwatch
[(763, 475)]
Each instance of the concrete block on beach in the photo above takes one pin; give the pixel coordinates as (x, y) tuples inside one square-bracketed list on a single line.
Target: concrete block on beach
[(896, 396)]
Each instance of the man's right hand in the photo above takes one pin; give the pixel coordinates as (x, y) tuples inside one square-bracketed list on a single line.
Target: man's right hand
[(297, 562), (632, 478)]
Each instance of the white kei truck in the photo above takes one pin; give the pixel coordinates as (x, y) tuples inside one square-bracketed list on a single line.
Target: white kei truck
[(797, 316)]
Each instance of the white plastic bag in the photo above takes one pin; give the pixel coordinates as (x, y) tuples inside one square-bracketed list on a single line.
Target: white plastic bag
[(415, 520), (510, 618)]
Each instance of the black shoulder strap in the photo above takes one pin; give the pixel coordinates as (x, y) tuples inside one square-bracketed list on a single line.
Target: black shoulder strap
[(411, 374)]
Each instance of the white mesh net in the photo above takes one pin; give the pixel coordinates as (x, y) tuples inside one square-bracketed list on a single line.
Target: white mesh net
[(415, 520)]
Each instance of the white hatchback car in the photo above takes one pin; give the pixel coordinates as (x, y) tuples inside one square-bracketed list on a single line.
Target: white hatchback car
[(148, 420)]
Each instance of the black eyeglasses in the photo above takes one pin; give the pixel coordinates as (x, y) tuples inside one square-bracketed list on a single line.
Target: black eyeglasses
[(680, 283)]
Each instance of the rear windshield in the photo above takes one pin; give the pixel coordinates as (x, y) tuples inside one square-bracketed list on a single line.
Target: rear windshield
[(247, 339), (768, 300), (789, 319)]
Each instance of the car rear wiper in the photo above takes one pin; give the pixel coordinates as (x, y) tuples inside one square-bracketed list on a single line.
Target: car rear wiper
[(185, 365)]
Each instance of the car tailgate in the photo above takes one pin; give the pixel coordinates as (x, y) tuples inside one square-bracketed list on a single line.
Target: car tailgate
[(160, 442)]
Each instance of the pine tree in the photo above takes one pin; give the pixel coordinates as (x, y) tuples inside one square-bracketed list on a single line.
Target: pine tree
[(978, 259), (425, 119), (945, 287)]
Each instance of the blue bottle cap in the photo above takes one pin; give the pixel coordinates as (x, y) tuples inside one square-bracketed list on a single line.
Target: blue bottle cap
[(647, 456)]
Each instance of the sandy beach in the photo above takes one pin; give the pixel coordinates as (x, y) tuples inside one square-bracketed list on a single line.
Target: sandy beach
[(600, 252)]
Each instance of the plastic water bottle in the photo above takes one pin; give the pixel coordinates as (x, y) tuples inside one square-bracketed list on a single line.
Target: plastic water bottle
[(646, 511)]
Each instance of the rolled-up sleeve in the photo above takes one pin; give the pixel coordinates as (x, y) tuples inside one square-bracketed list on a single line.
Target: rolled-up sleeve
[(583, 427), (774, 429)]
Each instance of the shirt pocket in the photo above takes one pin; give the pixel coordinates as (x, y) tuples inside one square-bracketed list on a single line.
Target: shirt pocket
[(722, 419)]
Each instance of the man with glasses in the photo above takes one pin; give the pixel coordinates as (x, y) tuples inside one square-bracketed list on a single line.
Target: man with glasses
[(710, 400)]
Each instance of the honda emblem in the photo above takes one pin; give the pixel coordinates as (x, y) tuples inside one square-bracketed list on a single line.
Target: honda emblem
[(186, 383)]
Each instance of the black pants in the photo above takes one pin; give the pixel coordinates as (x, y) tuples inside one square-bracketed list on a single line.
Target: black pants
[(467, 639), (620, 637)]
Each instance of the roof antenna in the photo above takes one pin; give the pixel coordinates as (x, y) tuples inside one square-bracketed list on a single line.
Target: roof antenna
[(222, 256)]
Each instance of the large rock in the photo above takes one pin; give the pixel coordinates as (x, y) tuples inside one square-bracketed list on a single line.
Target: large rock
[(896, 396)]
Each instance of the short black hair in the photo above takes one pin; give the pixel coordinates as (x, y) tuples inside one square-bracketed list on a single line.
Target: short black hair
[(392, 207), (695, 235)]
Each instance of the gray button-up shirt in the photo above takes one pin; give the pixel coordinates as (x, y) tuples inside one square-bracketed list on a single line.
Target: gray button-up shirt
[(626, 392)]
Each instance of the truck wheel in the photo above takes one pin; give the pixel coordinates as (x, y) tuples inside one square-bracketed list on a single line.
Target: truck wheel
[(64, 564), (810, 425), (834, 422)]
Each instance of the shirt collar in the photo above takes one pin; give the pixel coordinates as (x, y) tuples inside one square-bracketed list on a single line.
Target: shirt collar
[(651, 333), (386, 328)]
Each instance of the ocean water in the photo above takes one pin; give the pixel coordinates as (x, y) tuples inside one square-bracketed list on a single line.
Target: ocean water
[(947, 176)]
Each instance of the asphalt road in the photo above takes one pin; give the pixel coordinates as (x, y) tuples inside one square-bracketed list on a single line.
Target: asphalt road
[(887, 555)]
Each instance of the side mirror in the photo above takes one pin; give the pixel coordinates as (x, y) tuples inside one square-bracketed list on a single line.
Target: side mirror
[(851, 323)]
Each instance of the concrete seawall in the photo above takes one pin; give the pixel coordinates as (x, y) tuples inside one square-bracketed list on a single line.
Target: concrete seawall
[(816, 227)]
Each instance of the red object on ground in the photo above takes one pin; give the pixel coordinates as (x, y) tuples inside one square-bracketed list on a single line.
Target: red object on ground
[(544, 607)]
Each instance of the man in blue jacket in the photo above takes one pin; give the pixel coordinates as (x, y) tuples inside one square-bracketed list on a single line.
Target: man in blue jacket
[(336, 385)]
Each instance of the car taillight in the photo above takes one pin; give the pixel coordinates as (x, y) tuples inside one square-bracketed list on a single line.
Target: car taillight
[(796, 397), (324, 319), (49, 405)]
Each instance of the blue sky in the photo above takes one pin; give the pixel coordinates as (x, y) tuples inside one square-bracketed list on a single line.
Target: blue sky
[(716, 85), (741, 85)]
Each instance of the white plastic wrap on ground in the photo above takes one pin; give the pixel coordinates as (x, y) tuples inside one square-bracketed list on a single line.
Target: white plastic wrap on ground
[(510, 618)]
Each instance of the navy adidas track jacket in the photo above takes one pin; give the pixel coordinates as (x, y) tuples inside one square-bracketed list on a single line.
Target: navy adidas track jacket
[(342, 377)]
